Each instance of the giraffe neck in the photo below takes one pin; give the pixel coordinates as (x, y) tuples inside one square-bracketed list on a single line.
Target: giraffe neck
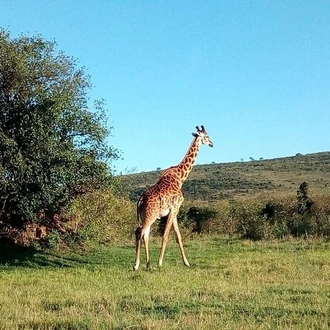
[(188, 160), (182, 170)]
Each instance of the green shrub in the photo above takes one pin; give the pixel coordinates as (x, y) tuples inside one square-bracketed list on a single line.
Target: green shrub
[(102, 218), (248, 219)]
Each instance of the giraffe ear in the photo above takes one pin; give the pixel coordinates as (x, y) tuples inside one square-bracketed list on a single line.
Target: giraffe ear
[(194, 134)]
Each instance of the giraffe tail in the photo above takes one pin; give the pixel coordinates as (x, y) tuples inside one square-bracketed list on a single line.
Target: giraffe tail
[(138, 209)]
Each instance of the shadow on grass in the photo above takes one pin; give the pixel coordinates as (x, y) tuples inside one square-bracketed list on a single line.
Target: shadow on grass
[(13, 255)]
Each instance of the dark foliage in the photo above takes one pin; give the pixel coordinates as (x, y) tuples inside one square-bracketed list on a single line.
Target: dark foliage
[(201, 216), (304, 202), (268, 211)]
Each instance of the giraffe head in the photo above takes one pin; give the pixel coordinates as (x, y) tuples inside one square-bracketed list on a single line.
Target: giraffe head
[(202, 134)]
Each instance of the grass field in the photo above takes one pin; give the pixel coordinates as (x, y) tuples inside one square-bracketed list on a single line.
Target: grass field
[(231, 284)]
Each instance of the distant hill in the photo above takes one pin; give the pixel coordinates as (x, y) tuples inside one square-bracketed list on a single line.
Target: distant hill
[(227, 180)]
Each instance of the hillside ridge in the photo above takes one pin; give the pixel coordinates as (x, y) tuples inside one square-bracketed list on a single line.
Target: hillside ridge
[(227, 180)]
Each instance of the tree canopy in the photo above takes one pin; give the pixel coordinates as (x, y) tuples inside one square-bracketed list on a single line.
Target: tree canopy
[(52, 138)]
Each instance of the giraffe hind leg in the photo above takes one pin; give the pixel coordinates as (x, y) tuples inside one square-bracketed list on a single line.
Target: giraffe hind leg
[(166, 233), (138, 239), (142, 235), (145, 239)]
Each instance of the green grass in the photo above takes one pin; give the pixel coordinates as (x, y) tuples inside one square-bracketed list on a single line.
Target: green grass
[(231, 284)]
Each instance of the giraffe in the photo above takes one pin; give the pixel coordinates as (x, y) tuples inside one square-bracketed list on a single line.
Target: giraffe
[(164, 199)]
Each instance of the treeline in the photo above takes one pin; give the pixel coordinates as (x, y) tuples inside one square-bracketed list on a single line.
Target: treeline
[(101, 217), (263, 216)]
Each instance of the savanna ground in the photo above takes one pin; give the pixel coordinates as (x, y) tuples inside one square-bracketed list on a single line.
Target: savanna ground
[(231, 284)]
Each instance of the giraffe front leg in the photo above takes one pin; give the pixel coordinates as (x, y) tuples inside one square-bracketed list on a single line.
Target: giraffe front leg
[(179, 241)]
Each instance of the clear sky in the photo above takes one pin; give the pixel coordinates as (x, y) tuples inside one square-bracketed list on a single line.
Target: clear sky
[(256, 74)]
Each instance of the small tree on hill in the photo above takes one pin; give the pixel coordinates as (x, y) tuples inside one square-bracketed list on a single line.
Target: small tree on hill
[(52, 146)]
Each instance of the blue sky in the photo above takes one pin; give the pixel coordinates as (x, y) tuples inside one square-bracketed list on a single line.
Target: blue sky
[(256, 74)]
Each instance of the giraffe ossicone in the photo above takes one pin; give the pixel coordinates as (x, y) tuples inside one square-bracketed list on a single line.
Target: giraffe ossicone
[(164, 199)]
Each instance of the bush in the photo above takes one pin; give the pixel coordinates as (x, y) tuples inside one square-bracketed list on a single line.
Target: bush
[(102, 218), (249, 223), (253, 218)]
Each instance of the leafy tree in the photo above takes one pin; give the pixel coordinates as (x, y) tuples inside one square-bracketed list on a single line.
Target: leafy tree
[(52, 141)]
